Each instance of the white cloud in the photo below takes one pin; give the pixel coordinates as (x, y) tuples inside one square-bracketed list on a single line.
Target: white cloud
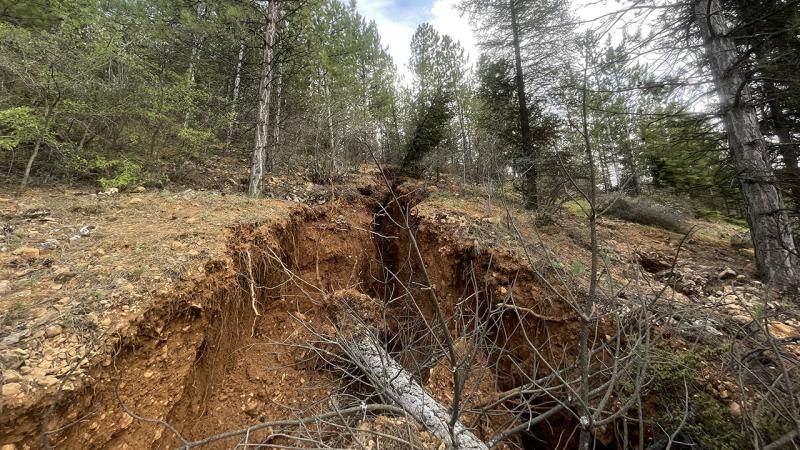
[(446, 19), (395, 32), (397, 21)]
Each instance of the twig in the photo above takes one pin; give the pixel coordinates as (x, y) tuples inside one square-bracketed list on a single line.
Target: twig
[(252, 282), (296, 422)]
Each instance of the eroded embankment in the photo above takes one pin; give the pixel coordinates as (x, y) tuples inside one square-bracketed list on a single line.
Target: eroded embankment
[(236, 348)]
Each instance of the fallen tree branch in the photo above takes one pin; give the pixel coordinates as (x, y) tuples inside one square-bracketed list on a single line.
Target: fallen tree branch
[(400, 387)]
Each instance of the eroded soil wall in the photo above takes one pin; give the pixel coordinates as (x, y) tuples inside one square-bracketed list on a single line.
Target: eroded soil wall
[(233, 349)]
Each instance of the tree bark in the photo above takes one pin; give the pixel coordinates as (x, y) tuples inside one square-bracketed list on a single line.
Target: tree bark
[(276, 135), (531, 195), (399, 386), (264, 93), (775, 250), (48, 118), (237, 81), (201, 12)]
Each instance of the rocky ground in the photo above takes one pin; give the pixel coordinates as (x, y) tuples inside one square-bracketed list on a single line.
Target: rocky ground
[(82, 271), (77, 267)]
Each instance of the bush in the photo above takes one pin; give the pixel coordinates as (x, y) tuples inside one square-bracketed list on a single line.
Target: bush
[(121, 173), (647, 213), (196, 141), (712, 426)]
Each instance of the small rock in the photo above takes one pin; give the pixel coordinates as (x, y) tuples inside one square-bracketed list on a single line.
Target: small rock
[(86, 230), (53, 331), (11, 339), (726, 274), (11, 376), (49, 244), (135, 201), (64, 277), (22, 293), (5, 286), (111, 191), (28, 252), (11, 389), (8, 447), (126, 421), (36, 213), (140, 189), (47, 381)]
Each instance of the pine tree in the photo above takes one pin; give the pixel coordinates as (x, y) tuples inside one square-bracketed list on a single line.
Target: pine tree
[(523, 31)]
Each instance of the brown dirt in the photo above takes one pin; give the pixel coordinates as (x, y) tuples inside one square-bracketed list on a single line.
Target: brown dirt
[(157, 318)]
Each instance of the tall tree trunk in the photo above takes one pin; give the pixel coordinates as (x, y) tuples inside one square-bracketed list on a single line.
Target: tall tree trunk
[(237, 81), (201, 12), (264, 94), (769, 225), (333, 145), (634, 185), (531, 195), (395, 150), (48, 118), (276, 135), (465, 145)]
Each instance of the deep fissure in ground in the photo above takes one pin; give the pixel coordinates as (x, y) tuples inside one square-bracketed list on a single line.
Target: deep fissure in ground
[(221, 359)]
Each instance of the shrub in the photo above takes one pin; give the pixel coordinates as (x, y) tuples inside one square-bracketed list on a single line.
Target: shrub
[(669, 367), (647, 213), (121, 173), (195, 140), (18, 126), (712, 425)]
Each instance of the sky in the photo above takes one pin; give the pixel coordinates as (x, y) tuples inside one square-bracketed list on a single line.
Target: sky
[(397, 20)]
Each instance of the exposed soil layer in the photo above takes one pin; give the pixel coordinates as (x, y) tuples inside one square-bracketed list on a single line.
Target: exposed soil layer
[(236, 333), (232, 347)]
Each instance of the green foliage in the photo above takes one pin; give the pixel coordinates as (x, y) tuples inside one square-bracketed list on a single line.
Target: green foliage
[(685, 154), (713, 426), (18, 125), (430, 129), (498, 115), (196, 140), (669, 368), (578, 268), (645, 212), (119, 173)]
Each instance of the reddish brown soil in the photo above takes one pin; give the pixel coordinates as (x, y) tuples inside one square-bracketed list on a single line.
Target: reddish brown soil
[(205, 356)]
